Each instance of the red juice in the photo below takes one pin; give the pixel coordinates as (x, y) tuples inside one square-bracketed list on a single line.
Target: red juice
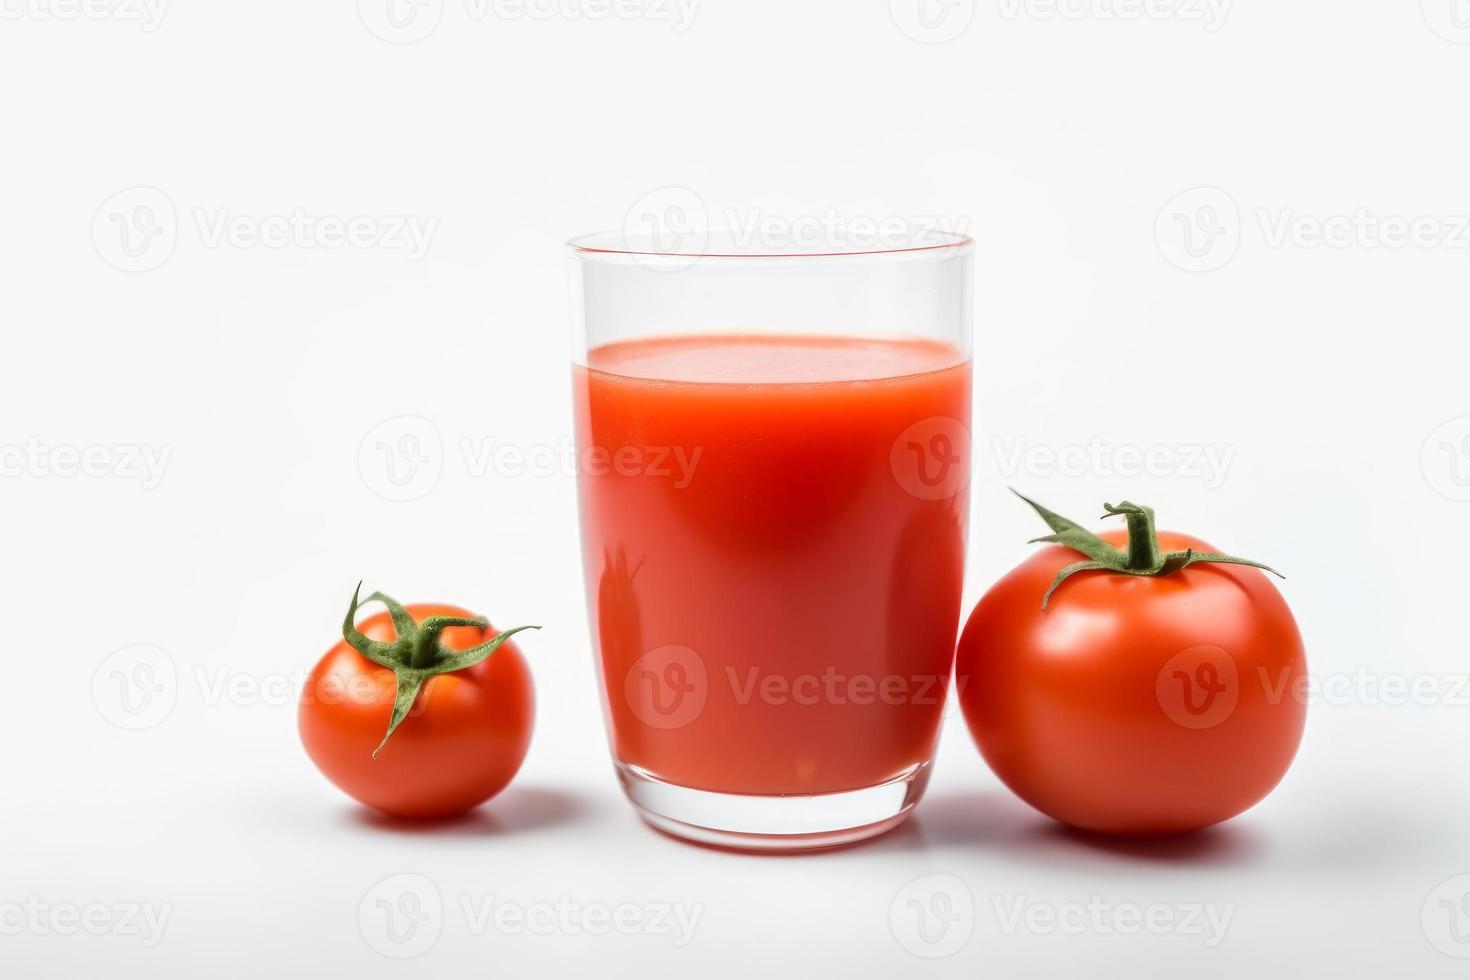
[(773, 534)]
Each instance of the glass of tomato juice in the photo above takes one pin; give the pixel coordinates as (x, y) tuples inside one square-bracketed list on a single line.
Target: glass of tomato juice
[(774, 462)]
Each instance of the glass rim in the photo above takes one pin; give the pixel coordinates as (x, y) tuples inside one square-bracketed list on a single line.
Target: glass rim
[(724, 244)]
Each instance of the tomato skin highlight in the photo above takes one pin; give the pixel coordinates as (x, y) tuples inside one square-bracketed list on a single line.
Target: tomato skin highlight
[(1134, 705), (463, 742)]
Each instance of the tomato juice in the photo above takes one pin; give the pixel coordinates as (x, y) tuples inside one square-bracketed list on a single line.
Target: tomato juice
[(773, 535)]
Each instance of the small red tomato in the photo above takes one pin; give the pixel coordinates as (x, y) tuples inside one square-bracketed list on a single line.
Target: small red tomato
[(1150, 690), (420, 712)]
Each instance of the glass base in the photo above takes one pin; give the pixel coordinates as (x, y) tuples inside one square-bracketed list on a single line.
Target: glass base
[(774, 823)]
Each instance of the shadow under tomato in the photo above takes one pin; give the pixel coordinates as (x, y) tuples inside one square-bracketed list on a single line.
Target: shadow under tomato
[(1222, 845), (997, 824), (517, 810)]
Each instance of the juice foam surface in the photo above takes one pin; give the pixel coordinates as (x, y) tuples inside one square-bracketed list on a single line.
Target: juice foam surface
[(754, 359)]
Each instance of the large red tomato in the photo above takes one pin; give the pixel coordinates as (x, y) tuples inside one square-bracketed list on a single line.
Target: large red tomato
[(1157, 692), (455, 734)]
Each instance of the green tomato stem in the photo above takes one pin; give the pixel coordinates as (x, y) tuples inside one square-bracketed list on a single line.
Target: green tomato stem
[(1143, 539), (416, 653), (1143, 556)]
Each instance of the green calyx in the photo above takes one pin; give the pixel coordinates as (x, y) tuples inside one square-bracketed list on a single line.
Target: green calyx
[(416, 654), (1143, 556)]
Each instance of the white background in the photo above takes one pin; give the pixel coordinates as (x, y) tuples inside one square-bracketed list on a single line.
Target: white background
[(1332, 375)]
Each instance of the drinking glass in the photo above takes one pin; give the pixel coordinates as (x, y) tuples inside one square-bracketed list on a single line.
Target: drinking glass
[(774, 463)]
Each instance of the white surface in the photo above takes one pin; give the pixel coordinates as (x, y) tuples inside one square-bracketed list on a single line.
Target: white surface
[(1324, 371)]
